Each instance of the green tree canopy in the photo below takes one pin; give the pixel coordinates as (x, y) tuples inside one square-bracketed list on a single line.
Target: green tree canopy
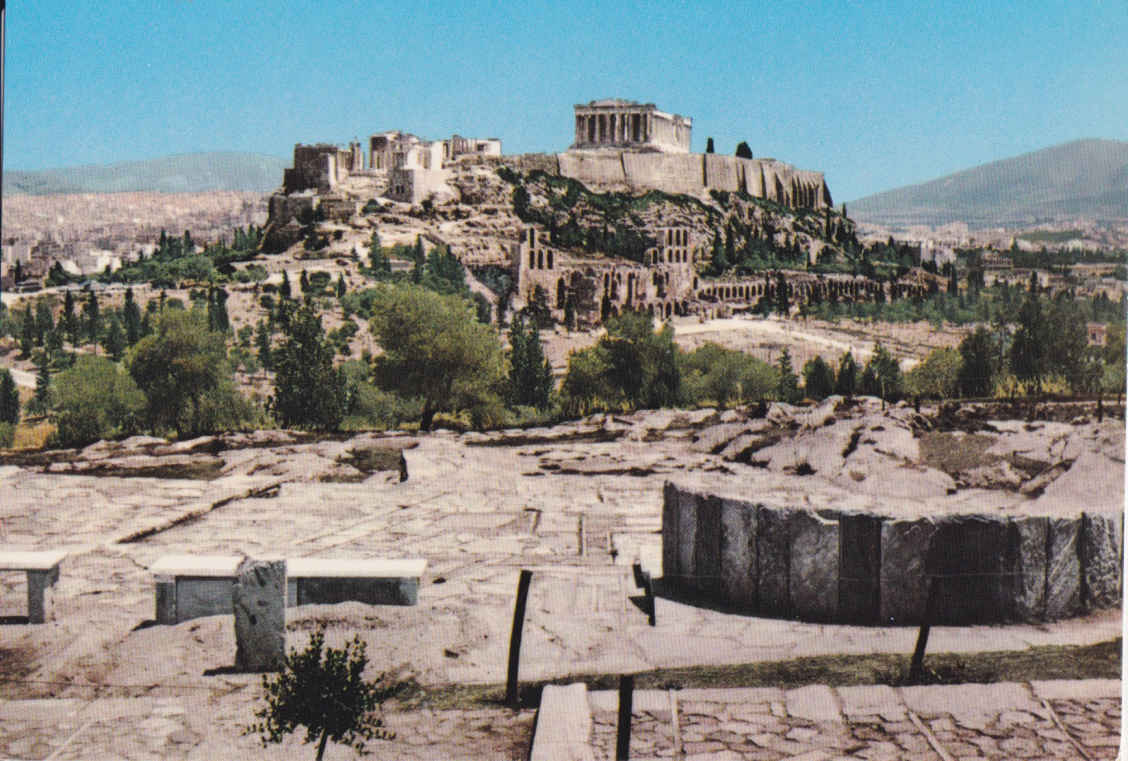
[(788, 384), (937, 376), (846, 381), (979, 364), (436, 349), (743, 150), (714, 374), (176, 366), (9, 398), (530, 374), (95, 399), (882, 375), (818, 378), (308, 391)]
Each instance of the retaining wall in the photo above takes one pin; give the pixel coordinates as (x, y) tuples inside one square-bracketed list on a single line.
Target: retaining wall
[(848, 567)]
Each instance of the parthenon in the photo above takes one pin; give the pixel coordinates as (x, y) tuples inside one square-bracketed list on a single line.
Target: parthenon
[(615, 123)]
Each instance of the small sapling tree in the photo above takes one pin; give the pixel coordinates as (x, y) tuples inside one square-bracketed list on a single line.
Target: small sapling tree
[(323, 689)]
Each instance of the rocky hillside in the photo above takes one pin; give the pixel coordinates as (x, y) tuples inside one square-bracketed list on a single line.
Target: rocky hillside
[(1084, 178)]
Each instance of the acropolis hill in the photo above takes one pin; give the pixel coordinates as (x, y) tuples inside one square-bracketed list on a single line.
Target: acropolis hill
[(625, 218)]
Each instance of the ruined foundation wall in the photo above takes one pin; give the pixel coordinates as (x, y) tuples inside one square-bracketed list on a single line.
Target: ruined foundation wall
[(826, 565)]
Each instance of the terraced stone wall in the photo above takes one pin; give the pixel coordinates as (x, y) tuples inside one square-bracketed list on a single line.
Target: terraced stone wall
[(826, 565)]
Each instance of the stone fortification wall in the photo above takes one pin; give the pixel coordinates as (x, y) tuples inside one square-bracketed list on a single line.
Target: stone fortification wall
[(597, 169), (868, 568), (696, 174), (668, 172)]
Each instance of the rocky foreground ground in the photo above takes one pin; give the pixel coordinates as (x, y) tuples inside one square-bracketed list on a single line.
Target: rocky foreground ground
[(577, 503)]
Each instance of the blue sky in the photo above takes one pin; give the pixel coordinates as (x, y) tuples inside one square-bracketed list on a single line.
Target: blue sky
[(874, 94)]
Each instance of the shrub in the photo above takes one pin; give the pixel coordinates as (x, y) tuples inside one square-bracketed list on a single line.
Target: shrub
[(323, 689), (95, 399)]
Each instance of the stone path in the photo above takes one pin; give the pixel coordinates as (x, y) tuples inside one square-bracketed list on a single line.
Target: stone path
[(1054, 719)]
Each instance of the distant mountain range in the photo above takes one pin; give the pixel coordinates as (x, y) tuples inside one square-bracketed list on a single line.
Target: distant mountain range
[(184, 173), (1084, 178)]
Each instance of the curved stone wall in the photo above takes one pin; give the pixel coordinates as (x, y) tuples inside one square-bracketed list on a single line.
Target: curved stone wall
[(866, 568)]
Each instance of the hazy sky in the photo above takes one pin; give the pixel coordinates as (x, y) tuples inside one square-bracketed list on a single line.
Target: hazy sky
[(874, 94)]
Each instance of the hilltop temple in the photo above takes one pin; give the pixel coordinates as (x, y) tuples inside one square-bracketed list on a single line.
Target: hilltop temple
[(617, 123)]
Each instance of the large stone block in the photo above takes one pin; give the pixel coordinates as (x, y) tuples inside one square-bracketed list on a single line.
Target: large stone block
[(859, 568), (738, 553), (1063, 569), (773, 560), (259, 600), (903, 582), (1101, 548), (813, 567), (198, 596), (968, 555), (1027, 565), (707, 548)]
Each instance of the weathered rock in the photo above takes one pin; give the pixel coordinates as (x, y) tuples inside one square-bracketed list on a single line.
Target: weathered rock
[(259, 599), (1101, 542), (738, 553), (904, 586), (813, 567), (1063, 569), (1027, 563), (773, 558), (996, 475)]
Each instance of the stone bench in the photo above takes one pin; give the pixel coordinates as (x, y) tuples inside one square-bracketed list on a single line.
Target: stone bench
[(313, 581), (191, 586), (42, 569)]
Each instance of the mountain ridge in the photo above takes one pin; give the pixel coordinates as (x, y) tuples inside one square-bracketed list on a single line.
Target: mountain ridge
[(1086, 177), (177, 173)]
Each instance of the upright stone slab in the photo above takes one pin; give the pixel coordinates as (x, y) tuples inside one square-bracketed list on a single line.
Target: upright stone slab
[(259, 599), (707, 548), (773, 560), (859, 569), (968, 556), (813, 567), (738, 553), (904, 586), (1027, 566), (41, 594), (1063, 569), (1101, 543)]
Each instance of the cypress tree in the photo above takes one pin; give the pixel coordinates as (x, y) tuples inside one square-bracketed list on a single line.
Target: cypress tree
[(709, 145), (93, 319), (788, 388), (9, 398), (284, 289), (131, 315), (70, 319)]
